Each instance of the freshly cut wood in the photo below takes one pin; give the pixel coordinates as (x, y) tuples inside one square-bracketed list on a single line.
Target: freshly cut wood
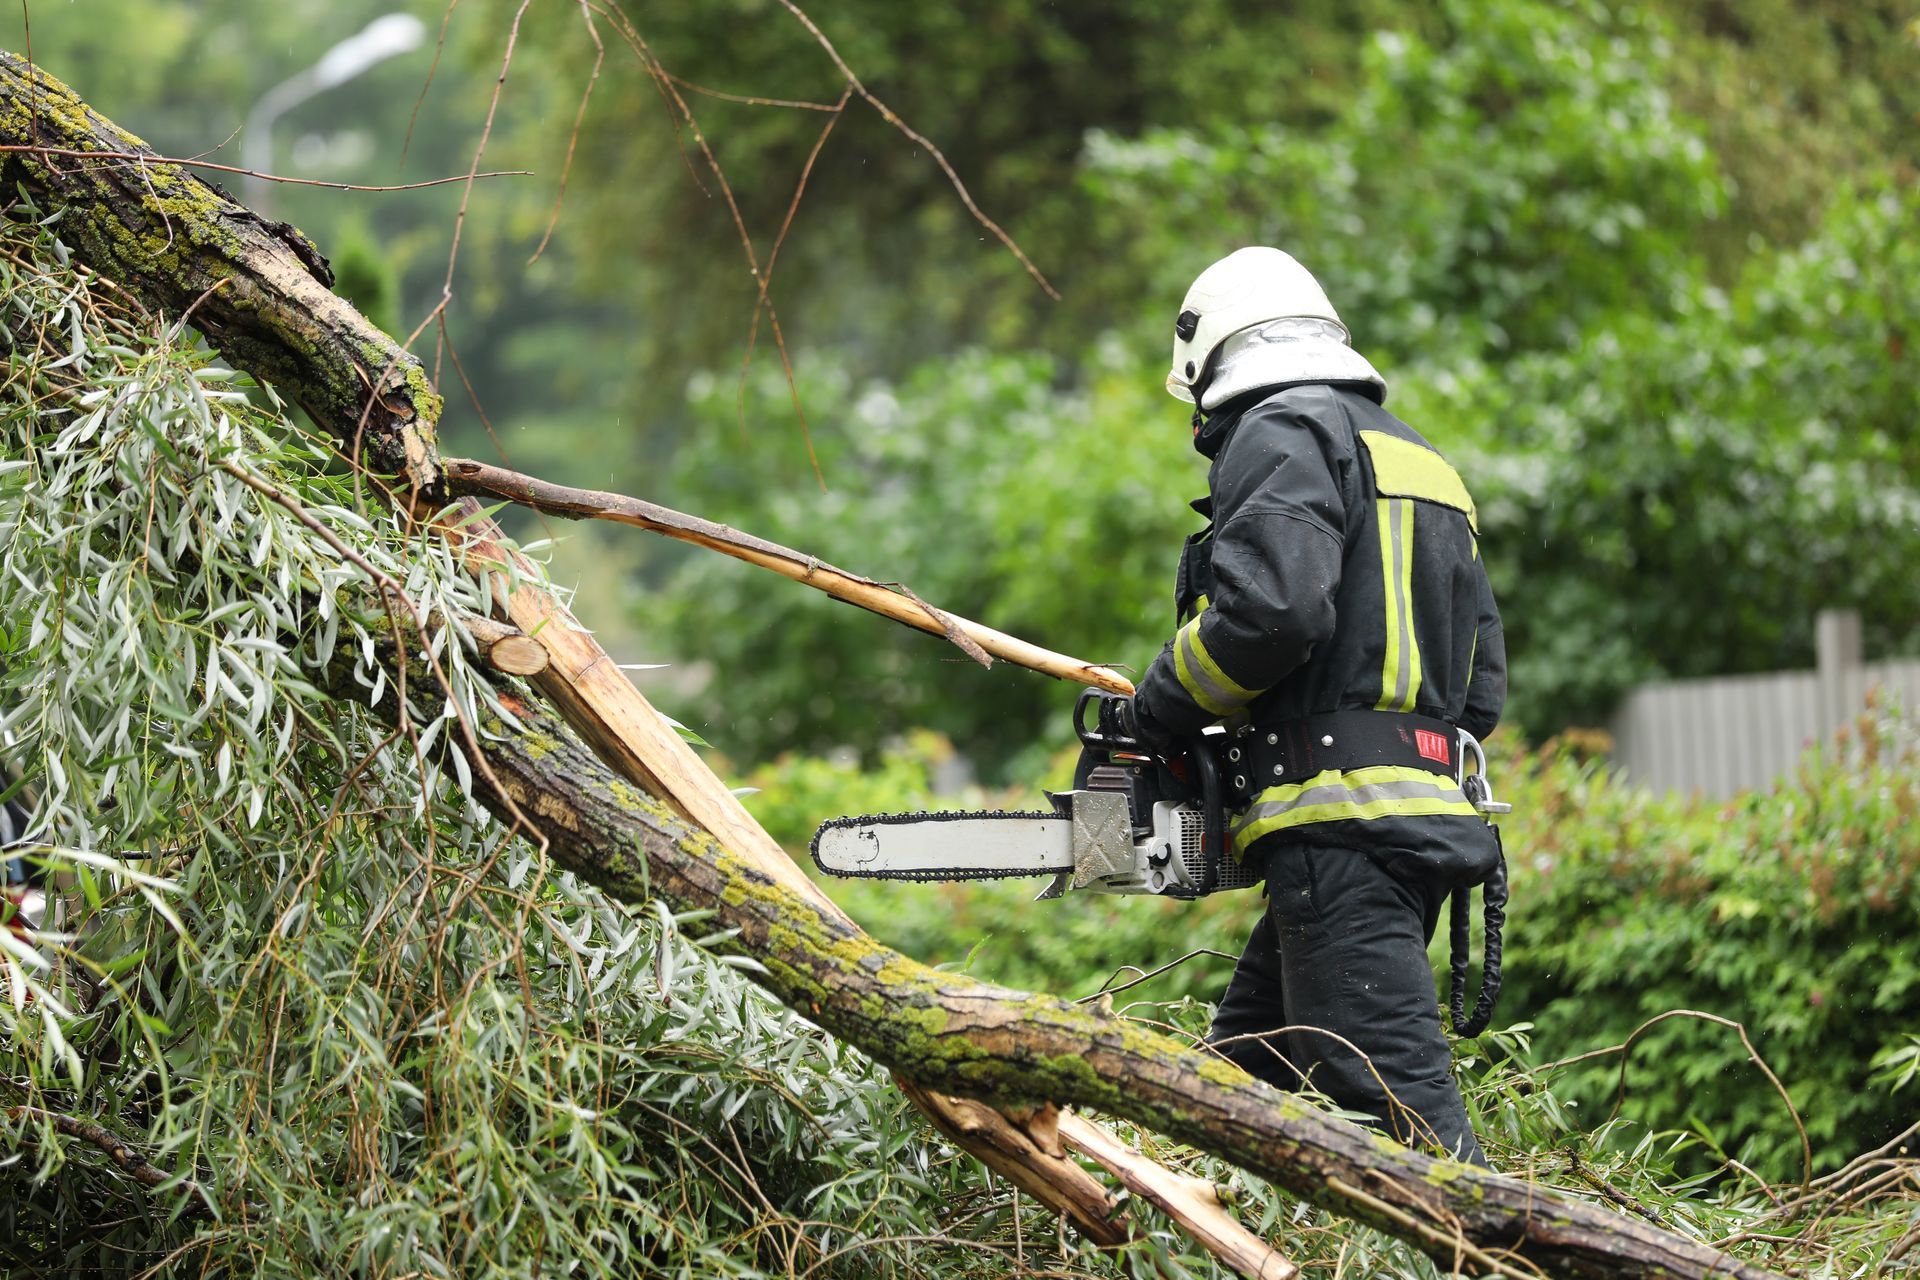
[(595, 697), (1191, 1202), (505, 647), (1032, 1160), (518, 656), (464, 475)]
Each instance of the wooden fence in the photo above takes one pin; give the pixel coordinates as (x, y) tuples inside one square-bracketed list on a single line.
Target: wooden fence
[(1728, 734)]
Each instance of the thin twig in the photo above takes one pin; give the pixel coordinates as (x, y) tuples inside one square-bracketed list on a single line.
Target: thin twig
[(766, 282), (652, 65), (1106, 990), (748, 99), (127, 1157), (939, 157), (187, 162), (439, 47), (1625, 1050), (573, 138)]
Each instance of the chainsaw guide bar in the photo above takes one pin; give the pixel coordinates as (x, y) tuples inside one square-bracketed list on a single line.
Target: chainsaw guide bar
[(850, 846)]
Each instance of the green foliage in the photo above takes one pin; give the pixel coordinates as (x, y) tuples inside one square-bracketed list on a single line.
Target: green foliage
[(1790, 912), (1493, 192), (1680, 497)]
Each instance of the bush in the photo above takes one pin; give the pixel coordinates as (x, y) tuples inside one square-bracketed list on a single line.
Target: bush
[(1792, 912)]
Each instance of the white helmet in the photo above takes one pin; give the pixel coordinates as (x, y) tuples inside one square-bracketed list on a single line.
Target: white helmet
[(1245, 288)]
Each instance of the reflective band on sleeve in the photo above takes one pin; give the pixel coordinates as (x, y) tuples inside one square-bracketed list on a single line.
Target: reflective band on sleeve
[(1400, 670), (1202, 677), (1403, 469), (1382, 791)]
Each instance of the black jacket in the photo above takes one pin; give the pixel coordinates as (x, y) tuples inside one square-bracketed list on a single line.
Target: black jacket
[(1341, 570)]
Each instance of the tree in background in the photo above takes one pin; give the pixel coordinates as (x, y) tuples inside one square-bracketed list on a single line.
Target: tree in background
[(1519, 206), (1675, 473)]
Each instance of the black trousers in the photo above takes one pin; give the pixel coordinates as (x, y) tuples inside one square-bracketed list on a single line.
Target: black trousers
[(1342, 949)]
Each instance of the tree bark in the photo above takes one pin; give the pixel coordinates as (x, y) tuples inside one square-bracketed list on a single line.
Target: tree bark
[(256, 289)]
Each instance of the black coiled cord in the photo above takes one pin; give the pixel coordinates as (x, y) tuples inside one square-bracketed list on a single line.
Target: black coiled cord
[(1494, 891)]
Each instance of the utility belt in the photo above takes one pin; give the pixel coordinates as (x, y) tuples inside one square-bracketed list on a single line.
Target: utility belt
[(1262, 756)]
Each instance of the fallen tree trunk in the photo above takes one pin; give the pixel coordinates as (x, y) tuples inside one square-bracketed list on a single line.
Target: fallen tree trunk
[(959, 1035), (182, 248), (285, 314)]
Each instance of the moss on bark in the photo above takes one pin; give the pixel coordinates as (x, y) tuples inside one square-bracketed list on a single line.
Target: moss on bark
[(258, 289)]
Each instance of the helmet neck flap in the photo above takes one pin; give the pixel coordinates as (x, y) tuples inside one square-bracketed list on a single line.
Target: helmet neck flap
[(1296, 349)]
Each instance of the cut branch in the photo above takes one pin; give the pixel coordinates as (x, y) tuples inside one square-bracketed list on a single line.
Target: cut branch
[(464, 475), (505, 647)]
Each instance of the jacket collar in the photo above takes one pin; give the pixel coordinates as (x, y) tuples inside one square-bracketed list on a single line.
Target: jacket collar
[(1213, 427)]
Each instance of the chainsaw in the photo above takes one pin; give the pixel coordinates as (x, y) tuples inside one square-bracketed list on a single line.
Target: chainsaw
[(1140, 818), (1147, 820)]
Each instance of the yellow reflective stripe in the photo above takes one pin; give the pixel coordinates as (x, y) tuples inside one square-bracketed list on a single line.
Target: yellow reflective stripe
[(1403, 469), (1410, 645), (1380, 791), (1400, 665), (1202, 677)]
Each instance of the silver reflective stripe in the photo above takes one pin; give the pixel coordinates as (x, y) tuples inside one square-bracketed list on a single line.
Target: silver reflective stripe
[(1345, 801), (1191, 668), (1400, 514)]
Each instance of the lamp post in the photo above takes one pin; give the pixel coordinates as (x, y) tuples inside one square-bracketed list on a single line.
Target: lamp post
[(383, 38)]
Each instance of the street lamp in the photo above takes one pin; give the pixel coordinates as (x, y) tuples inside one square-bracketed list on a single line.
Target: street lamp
[(383, 38)]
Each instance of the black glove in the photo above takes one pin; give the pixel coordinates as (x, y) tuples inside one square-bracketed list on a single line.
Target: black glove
[(1125, 718)]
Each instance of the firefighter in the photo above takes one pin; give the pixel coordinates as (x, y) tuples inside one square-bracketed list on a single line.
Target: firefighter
[(1335, 616)]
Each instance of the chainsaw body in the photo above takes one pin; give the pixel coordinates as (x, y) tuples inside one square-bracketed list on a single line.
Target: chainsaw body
[(1138, 820)]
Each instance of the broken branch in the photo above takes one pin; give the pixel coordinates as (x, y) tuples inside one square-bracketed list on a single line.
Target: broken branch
[(467, 476)]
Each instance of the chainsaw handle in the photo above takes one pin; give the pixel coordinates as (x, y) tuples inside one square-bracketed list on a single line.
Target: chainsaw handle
[(1105, 735)]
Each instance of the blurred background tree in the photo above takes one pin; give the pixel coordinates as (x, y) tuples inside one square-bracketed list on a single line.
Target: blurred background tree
[(1640, 267)]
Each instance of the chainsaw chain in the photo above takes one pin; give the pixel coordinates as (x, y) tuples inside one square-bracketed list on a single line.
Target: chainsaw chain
[(922, 876)]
